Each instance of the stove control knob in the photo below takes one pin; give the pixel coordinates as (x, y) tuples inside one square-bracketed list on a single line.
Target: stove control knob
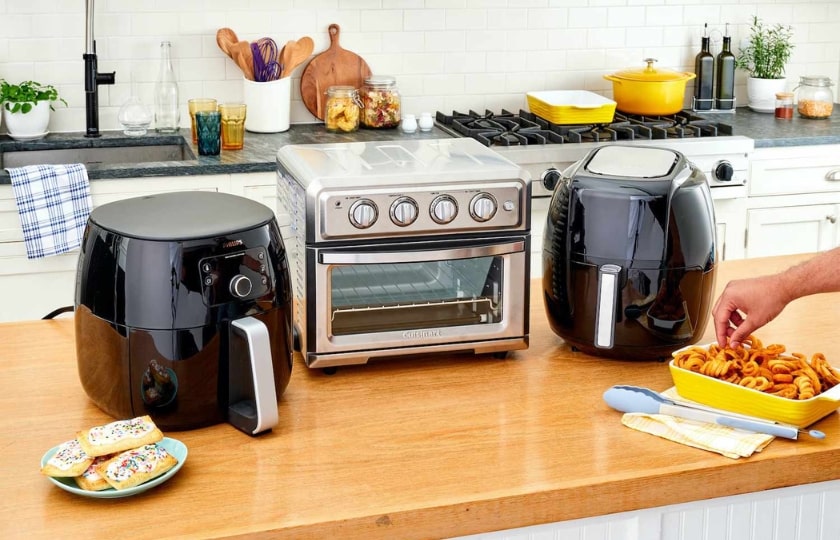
[(723, 171), (363, 213), (404, 211), (240, 286), (549, 178), (483, 207), (444, 209)]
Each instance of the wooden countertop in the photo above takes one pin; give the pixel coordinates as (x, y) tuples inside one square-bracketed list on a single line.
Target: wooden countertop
[(411, 448)]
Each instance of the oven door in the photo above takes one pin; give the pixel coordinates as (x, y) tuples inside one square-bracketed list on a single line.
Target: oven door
[(389, 299)]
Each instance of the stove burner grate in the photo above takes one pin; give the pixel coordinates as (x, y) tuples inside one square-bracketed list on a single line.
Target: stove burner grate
[(526, 128)]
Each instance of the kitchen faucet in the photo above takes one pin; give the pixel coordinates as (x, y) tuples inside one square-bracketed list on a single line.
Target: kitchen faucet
[(92, 77)]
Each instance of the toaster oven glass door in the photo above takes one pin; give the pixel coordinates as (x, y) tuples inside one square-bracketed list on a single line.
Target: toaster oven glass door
[(385, 295)]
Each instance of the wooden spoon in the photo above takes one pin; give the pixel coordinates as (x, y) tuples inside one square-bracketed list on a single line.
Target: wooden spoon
[(226, 39), (294, 53), (244, 58)]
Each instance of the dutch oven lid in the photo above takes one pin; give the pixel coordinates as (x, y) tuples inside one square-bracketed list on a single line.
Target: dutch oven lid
[(182, 215), (637, 162), (652, 74)]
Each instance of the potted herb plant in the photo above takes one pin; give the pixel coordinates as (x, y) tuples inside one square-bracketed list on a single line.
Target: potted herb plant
[(764, 58), (26, 107)]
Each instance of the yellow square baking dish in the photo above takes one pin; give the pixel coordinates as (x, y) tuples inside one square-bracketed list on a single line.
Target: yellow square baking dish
[(571, 106), (731, 397)]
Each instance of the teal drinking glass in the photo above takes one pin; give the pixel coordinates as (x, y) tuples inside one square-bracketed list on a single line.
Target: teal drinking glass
[(208, 124)]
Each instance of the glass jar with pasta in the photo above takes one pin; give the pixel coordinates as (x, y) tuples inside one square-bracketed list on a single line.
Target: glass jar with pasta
[(380, 102), (814, 98), (342, 109)]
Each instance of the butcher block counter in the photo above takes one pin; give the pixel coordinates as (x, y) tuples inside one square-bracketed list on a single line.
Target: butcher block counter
[(430, 447)]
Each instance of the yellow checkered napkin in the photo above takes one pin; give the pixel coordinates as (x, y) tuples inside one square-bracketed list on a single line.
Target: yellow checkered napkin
[(732, 443)]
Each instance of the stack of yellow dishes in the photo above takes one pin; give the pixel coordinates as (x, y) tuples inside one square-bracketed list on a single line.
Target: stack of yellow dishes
[(571, 106)]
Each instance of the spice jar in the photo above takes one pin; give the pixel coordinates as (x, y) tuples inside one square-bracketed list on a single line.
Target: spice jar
[(380, 102), (342, 109), (784, 105), (814, 98)]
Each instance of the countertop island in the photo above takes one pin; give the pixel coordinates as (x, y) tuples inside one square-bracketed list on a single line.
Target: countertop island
[(430, 447)]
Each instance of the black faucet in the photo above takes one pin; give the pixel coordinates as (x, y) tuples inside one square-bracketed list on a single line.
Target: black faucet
[(92, 77)]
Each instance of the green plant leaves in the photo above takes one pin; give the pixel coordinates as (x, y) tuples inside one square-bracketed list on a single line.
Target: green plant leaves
[(768, 51), (21, 97)]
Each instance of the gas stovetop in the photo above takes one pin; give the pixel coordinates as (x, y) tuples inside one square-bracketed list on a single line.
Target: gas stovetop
[(525, 128)]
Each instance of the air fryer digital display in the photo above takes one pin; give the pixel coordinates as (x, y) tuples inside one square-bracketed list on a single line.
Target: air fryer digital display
[(235, 276)]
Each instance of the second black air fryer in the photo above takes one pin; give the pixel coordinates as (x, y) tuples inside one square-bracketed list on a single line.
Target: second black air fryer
[(629, 253)]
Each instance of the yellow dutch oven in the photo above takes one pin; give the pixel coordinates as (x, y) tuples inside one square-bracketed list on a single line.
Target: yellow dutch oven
[(648, 90)]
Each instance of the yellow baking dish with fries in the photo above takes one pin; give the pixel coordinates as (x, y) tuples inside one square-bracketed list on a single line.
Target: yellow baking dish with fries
[(765, 382)]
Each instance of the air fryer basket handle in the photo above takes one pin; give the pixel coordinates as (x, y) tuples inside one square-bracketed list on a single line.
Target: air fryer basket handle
[(608, 288), (258, 411)]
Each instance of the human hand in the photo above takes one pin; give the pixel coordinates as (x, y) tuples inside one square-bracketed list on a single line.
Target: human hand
[(745, 306)]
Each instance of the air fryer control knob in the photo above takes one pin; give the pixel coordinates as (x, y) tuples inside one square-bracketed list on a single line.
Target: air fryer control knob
[(723, 171), (483, 207), (363, 213), (240, 286), (549, 178), (404, 211), (444, 209)]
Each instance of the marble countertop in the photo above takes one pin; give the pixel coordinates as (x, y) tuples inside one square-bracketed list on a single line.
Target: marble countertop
[(260, 150)]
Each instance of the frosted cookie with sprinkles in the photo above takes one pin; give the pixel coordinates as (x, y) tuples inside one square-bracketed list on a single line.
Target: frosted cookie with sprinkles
[(118, 436), (133, 467), (91, 480), (69, 460)]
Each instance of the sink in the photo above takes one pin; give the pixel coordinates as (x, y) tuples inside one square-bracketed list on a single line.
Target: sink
[(97, 155)]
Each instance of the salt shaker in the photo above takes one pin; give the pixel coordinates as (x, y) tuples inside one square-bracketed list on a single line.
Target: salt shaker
[(409, 123), (425, 123)]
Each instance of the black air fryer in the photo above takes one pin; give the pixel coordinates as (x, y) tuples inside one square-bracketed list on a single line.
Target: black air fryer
[(183, 311), (629, 253)]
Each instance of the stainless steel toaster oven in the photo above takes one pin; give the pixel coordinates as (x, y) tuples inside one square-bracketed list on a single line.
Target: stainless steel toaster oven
[(405, 247)]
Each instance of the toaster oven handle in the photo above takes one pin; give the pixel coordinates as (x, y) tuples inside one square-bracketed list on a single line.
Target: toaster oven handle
[(608, 275), (384, 257)]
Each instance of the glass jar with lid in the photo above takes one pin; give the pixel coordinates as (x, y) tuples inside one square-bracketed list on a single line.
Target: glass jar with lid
[(814, 98), (380, 102), (342, 109)]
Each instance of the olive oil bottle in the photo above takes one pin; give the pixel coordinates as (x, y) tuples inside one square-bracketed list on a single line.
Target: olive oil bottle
[(725, 74), (704, 67)]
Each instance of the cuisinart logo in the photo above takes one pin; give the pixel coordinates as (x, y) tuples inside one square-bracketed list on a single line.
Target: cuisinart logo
[(419, 334)]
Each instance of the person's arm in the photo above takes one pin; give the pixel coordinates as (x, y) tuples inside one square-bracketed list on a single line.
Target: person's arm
[(748, 304)]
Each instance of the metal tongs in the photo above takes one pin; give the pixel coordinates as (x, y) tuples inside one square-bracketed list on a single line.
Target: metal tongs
[(626, 398)]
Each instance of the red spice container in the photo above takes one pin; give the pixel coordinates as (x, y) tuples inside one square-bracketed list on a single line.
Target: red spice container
[(784, 105)]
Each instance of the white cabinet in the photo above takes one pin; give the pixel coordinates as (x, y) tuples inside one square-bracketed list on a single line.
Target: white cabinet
[(794, 200), (32, 288)]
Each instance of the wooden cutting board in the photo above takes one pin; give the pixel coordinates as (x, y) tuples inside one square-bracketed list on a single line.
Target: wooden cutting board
[(335, 66)]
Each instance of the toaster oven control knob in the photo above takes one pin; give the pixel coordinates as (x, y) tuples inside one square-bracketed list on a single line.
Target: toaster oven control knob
[(723, 171), (363, 213), (404, 211), (444, 209), (483, 207), (240, 286)]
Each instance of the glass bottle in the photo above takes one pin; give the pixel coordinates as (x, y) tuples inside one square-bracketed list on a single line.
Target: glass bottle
[(167, 115), (725, 71), (704, 67), (342, 109), (380, 102), (814, 98)]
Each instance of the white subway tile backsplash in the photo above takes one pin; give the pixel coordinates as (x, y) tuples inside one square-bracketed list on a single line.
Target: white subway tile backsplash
[(461, 54)]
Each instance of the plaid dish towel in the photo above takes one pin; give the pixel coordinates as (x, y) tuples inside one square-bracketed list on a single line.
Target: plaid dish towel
[(53, 202), (724, 440)]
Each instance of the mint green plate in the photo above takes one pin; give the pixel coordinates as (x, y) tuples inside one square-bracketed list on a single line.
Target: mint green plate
[(173, 446)]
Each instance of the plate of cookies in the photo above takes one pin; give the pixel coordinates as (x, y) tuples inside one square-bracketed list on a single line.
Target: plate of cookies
[(119, 459)]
